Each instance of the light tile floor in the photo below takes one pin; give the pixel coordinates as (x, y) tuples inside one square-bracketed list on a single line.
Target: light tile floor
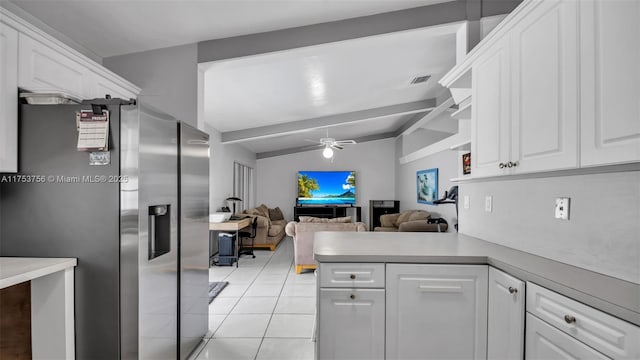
[(266, 311)]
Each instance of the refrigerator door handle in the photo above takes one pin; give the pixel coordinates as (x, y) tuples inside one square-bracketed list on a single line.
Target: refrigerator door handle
[(159, 238)]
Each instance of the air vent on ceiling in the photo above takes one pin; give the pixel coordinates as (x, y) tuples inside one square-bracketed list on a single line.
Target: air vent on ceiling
[(420, 79)]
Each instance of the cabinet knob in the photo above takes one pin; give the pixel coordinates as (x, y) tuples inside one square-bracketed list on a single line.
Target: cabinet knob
[(501, 166), (569, 319), (352, 296), (352, 276), (512, 290), (509, 164)]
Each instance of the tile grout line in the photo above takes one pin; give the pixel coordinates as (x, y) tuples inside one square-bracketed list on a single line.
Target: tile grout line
[(274, 308)]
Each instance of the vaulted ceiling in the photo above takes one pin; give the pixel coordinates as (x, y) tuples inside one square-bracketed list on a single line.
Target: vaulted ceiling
[(274, 102)]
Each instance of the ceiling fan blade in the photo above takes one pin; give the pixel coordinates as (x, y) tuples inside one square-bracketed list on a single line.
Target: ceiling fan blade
[(346, 142), (336, 146), (313, 141)]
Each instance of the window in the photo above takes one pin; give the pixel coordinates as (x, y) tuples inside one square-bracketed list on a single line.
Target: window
[(243, 185)]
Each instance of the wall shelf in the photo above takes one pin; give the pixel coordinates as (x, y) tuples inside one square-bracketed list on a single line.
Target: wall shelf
[(464, 113), (463, 146)]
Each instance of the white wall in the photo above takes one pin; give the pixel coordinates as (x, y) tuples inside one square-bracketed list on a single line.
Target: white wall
[(372, 161), (221, 162), (168, 78), (602, 234), (405, 189)]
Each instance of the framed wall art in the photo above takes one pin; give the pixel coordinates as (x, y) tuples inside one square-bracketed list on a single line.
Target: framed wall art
[(427, 186)]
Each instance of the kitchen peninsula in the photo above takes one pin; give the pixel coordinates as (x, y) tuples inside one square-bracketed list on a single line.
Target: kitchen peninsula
[(48, 285), (454, 296)]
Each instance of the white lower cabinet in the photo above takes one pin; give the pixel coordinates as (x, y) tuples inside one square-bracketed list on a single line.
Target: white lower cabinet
[(544, 342), (436, 311), (606, 334), (505, 338), (352, 325)]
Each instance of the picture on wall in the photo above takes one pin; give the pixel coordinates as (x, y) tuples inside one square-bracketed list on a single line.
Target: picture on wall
[(427, 186), (466, 164)]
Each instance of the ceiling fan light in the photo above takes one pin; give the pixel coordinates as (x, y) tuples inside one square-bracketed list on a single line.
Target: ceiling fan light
[(327, 153)]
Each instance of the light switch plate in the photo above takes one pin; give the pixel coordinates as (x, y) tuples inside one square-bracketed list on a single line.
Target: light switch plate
[(562, 208), (488, 203), (466, 202)]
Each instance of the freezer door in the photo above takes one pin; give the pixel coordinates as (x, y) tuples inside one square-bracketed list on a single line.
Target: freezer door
[(194, 237), (150, 257)]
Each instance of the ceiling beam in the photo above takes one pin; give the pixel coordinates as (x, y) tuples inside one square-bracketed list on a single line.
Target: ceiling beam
[(359, 140), (316, 34), (293, 127)]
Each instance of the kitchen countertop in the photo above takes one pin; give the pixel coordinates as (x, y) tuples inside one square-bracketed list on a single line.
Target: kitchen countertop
[(611, 295), (15, 270)]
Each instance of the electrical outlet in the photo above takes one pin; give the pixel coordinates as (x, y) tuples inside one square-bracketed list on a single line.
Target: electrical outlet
[(488, 203), (562, 208), (466, 202)]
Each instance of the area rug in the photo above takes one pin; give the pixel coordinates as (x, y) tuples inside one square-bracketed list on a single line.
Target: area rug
[(215, 288)]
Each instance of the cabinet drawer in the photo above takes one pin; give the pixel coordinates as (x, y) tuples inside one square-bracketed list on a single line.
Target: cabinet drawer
[(544, 342), (611, 336), (356, 275)]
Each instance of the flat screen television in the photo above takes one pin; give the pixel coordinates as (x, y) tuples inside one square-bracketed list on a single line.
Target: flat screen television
[(326, 187)]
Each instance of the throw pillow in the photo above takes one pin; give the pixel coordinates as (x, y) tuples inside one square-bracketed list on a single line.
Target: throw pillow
[(404, 216), (308, 219), (264, 210), (276, 214), (345, 219), (419, 215)]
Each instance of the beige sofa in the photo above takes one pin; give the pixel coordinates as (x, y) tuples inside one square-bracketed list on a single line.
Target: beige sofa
[(409, 221), (303, 234), (269, 232)]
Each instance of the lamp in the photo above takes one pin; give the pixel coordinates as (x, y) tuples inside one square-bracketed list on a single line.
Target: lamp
[(327, 152), (234, 200)]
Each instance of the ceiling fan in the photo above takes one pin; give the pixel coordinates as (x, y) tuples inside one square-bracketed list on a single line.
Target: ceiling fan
[(331, 144)]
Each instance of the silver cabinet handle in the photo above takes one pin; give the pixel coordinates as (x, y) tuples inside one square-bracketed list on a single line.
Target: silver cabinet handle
[(352, 296), (502, 165), (512, 290), (352, 276), (569, 319)]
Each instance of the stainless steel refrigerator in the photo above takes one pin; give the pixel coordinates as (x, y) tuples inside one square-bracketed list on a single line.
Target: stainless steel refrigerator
[(138, 226)]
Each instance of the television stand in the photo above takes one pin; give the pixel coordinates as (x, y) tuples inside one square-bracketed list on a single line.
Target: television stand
[(328, 211)]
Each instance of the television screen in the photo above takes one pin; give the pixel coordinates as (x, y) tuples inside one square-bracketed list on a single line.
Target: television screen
[(326, 187)]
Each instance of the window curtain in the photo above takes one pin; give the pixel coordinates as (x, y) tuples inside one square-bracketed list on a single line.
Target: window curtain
[(243, 177)]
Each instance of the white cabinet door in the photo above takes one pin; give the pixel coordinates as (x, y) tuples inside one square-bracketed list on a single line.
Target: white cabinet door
[(43, 69), (490, 130), (610, 82), (101, 86), (544, 342), (506, 316), (352, 324), (544, 48), (436, 311), (8, 99)]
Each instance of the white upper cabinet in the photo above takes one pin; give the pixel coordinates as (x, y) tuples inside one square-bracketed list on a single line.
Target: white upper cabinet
[(555, 86), (505, 338), (8, 99), (525, 95), (544, 49), (610, 81), (43, 69), (490, 127)]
